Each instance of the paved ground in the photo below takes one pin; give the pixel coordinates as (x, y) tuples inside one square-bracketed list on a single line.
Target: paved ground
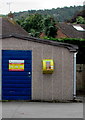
[(41, 110), (0, 110)]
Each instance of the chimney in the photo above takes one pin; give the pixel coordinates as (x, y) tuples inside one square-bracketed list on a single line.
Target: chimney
[(10, 15)]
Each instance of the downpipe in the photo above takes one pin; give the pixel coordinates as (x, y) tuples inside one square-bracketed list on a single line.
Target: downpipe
[(74, 77)]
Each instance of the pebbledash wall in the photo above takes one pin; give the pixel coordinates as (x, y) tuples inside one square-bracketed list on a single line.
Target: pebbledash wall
[(56, 86)]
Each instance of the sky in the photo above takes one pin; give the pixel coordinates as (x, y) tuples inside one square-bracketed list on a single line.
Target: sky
[(24, 5)]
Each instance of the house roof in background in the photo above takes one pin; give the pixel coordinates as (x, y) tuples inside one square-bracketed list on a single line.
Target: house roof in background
[(11, 29), (70, 31)]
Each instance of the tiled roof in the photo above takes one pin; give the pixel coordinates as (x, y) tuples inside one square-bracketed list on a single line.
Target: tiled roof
[(10, 27), (70, 31)]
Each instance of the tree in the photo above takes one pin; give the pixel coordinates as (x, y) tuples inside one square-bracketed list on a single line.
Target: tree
[(50, 27), (80, 20), (36, 24), (60, 14), (33, 24), (20, 21)]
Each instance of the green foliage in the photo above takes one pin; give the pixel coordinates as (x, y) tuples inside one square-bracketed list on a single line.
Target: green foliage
[(70, 40), (50, 27), (33, 24), (51, 31), (20, 21), (36, 24), (59, 14), (80, 20)]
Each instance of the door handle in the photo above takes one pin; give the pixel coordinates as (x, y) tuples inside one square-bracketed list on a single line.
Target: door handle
[(29, 73)]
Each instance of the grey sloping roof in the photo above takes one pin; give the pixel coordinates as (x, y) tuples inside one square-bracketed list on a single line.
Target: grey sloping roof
[(11, 29), (10, 26), (70, 31)]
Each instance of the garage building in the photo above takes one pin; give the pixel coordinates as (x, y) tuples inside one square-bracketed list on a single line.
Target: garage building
[(35, 69)]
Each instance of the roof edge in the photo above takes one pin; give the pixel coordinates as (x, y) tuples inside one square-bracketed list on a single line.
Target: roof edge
[(71, 47)]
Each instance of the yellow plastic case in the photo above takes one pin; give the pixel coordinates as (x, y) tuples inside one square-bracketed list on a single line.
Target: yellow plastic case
[(47, 66)]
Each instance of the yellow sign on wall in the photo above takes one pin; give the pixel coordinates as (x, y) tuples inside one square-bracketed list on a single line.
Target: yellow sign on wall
[(16, 65), (48, 65)]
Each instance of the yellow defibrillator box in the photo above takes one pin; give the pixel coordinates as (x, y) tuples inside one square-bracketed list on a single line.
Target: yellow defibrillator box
[(47, 66)]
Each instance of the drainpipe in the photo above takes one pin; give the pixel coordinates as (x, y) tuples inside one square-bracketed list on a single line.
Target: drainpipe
[(74, 78)]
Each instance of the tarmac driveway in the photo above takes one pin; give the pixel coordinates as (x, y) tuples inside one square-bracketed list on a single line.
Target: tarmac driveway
[(41, 110)]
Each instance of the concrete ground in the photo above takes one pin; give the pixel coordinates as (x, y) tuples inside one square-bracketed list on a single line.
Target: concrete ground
[(41, 110)]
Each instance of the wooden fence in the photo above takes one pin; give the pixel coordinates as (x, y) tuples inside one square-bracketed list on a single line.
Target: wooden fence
[(80, 79)]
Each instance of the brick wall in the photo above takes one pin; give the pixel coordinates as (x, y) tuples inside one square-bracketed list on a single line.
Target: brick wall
[(60, 34)]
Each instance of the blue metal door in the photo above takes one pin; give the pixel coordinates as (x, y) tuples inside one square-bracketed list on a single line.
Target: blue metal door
[(16, 74)]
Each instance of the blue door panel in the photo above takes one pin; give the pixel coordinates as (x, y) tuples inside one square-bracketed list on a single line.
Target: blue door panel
[(18, 52), (16, 85), (17, 82), (16, 58), (17, 97), (16, 77), (13, 93), (16, 89), (16, 73)]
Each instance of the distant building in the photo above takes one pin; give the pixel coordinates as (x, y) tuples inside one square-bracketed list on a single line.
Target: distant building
[(69, 30)]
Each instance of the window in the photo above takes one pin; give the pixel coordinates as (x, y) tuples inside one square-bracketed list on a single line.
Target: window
[(78, 27)]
